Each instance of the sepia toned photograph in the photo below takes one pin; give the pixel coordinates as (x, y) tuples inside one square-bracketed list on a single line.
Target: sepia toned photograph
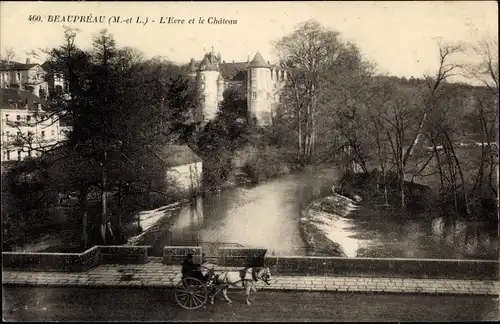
[(249, 161)]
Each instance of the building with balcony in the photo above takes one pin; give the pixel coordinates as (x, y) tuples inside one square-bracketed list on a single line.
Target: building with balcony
[(27, 130), (25, 76)]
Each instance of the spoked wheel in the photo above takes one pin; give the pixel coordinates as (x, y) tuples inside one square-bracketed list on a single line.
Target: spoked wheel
[(191, 293)]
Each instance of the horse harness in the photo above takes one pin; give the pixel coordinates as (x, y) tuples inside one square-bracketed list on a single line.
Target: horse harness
[(244, 272)]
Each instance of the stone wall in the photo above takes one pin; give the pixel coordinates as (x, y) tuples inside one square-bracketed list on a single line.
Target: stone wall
[(176, 254), (66, 262), (379, 267), (124, 254), (74, 262), (237, 257), (366, 267)]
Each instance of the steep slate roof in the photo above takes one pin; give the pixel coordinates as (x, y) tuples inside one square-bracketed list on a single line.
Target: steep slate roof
[(9, 66), (175, 155), (233, 71), (10, 96), (258, 61)]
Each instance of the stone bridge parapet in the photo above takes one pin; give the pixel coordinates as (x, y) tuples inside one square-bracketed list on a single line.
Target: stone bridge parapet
[(279, 265)]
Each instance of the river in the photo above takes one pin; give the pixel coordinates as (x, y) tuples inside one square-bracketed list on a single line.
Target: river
[(267, 216)]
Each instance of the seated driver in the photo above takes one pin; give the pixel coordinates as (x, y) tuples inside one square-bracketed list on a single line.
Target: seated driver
[(190, 269)]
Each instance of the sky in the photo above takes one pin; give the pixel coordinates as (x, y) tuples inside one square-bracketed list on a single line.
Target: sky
[(399, 37)]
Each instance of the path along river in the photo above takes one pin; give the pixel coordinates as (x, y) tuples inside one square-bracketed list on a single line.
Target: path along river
[(267, 216)]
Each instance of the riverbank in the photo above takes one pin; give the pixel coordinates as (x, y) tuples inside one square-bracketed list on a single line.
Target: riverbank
[(135, 231), (362, 225), (324, 225)]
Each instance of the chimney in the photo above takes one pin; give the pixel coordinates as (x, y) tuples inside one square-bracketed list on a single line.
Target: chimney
[(233, 61), (268, 63), (28, 61)]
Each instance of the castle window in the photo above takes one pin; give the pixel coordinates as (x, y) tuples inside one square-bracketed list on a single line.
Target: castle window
[(202, 76), (202, 86), (28, 118), (6, 116), (43, 133), (272, 74), (18, 117), (254, 95), (19, 155), (29, 153), (7, 155), (254, 73)]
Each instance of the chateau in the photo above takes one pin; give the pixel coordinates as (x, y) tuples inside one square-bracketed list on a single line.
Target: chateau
[(262, 81)]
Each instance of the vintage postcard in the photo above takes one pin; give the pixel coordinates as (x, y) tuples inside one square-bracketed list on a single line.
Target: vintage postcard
[(249, 161)]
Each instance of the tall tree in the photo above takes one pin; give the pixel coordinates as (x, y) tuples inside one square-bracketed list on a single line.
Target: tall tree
[(306, 53), (124, 110), (316, 59)]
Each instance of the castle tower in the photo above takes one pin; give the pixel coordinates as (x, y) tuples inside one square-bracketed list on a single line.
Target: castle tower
[(220, 88), (208, 74), (259, 98), (192, 69)]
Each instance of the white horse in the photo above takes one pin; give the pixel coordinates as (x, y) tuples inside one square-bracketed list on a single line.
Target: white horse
[(207, 269), (240, 279)]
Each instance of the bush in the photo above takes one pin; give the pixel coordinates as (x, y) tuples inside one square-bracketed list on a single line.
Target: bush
[(262, 164)]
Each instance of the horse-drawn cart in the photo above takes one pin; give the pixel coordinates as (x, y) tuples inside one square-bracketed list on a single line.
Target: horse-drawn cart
[(192, 293)]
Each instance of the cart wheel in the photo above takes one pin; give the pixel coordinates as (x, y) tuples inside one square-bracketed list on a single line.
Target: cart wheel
[(191, 293)]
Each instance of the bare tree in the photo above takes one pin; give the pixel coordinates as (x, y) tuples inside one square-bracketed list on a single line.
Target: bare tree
[(443, 122), (307, 53), (10, 55)]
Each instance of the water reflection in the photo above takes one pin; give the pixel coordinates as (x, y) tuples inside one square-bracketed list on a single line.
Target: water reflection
[(467, 238), (267, 216)]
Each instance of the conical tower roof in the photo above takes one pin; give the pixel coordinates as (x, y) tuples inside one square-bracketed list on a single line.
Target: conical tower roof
[(258, 61), (204, 62)]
